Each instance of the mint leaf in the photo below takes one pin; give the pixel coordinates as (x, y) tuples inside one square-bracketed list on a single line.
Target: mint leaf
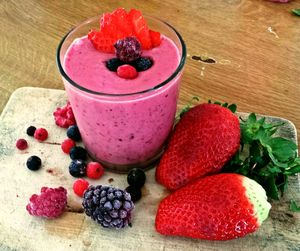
[(294, 207), (296, 12)]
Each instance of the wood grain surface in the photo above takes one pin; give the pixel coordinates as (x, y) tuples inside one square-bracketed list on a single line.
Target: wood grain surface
[(73, 230)]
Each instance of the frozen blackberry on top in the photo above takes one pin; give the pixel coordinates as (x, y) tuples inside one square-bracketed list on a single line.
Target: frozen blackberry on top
[(110, 207), (128, 49)]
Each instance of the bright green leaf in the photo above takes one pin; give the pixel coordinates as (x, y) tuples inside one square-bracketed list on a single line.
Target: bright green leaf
[(296, 12), (294, 207)]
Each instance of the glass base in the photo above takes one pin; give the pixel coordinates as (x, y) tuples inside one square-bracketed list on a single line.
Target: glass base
[(118, 168)]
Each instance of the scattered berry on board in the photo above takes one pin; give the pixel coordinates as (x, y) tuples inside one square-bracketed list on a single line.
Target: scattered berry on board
[(64, 116), (41, 134), (67, 145), (78, 152), (34, 163), (73, 133), (51, 203), (77, 168), (31, 130), (94, 170), (127, 71), (21, 144), (135, 193), (136, 177), (79, 186), (110, 207)]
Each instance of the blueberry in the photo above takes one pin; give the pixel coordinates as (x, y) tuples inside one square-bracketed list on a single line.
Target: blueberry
[(142, 64), (134, 192), (30, 130), (136, 177), (113, 64), (34, 163), (77, 168), (78, 152), (73, 133)]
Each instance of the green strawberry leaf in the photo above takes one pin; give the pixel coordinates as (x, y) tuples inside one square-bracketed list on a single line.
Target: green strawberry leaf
[(294, 207), (296, 12)]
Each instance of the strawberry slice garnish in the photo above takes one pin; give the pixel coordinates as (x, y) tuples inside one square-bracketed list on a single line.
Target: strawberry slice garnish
[(101, 41), (122, 21), (140, 28), (155, 38)]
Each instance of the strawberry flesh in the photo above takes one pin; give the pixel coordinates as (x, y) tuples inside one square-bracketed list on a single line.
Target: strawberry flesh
[(212, 208)]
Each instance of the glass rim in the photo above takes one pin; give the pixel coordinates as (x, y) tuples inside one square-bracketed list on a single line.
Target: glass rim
[(156, 87)]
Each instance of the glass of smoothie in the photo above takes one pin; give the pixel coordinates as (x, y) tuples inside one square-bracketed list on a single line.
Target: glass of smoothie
[(124, 123)]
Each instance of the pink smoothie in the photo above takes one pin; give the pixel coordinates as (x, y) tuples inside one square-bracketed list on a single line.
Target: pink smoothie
[(126, 129)]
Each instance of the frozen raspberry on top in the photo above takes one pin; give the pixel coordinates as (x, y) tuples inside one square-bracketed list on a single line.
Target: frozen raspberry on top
[(128, 49), (64, 116), (51, 203)]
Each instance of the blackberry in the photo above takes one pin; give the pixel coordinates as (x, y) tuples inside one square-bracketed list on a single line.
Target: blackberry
[(135, 193), (128, 49), (73, 133), (113, 64), (78, 152), (30, 130), (110, 207), (34, 163), (142, 64), (136, 177), (77, 168)]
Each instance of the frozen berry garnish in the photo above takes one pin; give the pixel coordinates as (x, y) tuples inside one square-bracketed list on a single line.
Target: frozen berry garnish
[(94, 170), (136, 177), (79, 187), (51, 203), (67, 145), (113, 64), (73, 133), (34, 163), (135, 193), (21, 144), (30, 130), (41, 134), (111, 207), (64, 116), (142, 64), (127, 71), (128, 49), (78, 152), (77, 168)]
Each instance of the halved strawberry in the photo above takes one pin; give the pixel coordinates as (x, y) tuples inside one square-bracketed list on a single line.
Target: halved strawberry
[(121, 20), (101, 41), (155, 38), (108, 26), (140, 28)]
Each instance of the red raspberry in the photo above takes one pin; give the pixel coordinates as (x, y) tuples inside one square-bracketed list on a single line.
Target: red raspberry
[(21, 144), (67, 145), (51, 203), (127, 71), (94, 170), (79, 187), (41, 134), (64, 116)]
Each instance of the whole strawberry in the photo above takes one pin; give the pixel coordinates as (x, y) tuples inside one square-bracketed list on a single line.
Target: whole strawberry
[(205, 138), (218, 207)]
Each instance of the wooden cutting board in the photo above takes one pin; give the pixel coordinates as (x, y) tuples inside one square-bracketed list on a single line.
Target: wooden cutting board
[(75, 231)]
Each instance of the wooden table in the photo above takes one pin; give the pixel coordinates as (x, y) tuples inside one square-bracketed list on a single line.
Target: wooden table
[(255, 46)]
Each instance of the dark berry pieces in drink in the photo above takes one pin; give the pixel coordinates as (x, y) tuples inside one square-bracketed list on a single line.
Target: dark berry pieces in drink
[(136, 177), (135, 193), (128, 49), (143, 63), (77, 168), (34, 163), (113, 64), (21, 144), (78, 152), (73, 133), (30, 130)]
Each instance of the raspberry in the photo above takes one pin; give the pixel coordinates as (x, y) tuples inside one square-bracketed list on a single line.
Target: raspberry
[(73, 133), (41, 134), (21, 144), (79, 187), (51, 203), (34, 163), (128, 49), (30, 130), (67, 145), (155, 38), (94, 170), (127, 71), (64, 116)]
